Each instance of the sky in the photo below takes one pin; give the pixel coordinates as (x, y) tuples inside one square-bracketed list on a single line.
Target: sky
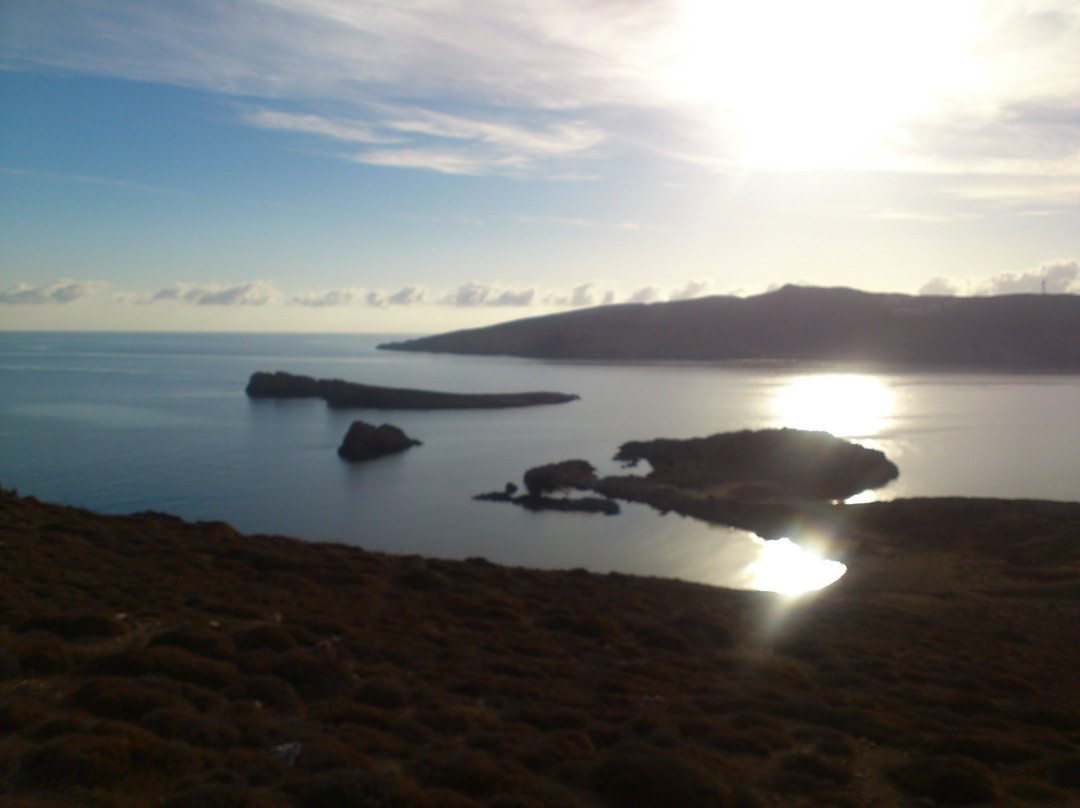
[(425, 165)]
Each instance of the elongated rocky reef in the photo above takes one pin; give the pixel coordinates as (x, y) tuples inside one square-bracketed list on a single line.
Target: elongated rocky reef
[(350, 395)]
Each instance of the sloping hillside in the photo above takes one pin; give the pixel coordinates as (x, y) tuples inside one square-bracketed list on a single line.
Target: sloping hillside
[(1039, 332)]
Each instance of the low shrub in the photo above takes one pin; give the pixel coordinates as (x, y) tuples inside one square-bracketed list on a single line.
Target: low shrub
[(808, 773), (171, 662), (268, 635), (659, 781), (203, 641), (122, 699), (76, 626), (946, 779), (382, 788)]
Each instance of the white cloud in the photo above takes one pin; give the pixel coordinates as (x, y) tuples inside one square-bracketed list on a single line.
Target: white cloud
[(481, 294), (691, 290), (63, 291), (252, 293), (647, 294), (332, 297), (1059, 276), (585, 294), (939, 286), (995, 85), (408, 295), (347, 130)]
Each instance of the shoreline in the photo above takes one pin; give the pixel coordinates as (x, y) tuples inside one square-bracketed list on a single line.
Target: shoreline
[(151, 661)]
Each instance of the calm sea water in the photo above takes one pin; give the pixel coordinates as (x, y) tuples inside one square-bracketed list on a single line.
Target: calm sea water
[(127, 422)]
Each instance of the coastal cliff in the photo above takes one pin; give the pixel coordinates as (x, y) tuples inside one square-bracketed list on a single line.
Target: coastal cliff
[(1009, 332)]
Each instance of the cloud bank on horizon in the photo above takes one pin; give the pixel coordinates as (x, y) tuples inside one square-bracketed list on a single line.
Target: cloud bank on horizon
[(443, 144)]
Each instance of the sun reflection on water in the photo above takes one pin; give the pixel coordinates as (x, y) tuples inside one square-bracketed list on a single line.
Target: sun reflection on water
[(844, 404), (783, 566)]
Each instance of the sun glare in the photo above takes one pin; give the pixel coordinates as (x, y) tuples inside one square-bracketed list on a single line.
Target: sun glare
[(785, 567), (845, 405), (820, 85)]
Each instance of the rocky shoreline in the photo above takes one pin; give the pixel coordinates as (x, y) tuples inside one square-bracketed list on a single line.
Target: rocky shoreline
[(146, 661)]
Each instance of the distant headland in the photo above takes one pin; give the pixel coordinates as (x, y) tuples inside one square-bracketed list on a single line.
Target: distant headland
[(807, 324)]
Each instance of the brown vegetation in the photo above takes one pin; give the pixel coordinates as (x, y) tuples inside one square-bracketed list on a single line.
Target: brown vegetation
[(147, 662)]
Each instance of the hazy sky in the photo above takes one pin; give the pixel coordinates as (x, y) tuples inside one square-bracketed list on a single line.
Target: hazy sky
[(431, 164)]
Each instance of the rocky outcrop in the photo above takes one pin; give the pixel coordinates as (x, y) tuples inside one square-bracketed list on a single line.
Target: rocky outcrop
[(366, 441), (283, 385), (578, 474), (347, 395)]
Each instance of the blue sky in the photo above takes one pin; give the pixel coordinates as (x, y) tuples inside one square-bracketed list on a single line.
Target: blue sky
[(431, 164)]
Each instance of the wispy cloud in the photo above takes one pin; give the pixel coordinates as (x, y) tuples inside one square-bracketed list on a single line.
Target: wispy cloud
[(355, 295), (1058, 276), (90, 180), (63, 291), (473, 294), (572, 222), (537, 83)]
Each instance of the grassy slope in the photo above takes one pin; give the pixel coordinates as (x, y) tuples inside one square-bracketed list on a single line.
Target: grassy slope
[(145, 661)]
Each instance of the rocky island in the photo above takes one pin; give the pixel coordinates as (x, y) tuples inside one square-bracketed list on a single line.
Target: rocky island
[(764, 480), (183, 664), (366, 441), (344, 395)]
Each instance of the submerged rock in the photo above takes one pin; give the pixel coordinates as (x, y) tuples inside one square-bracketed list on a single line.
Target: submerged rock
[(366, 441)]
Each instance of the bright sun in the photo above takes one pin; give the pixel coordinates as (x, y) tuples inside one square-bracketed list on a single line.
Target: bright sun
[(785, 567), (843, 404), (823, 84)]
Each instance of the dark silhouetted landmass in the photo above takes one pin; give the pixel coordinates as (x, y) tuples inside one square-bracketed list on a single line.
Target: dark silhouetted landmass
[(1014, 332), (146, 661), (351, 395), (366, 441), (765, 481), (767, 463)]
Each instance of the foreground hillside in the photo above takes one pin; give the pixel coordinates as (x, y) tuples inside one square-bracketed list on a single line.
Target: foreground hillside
[(145, 661), (1039, 332)]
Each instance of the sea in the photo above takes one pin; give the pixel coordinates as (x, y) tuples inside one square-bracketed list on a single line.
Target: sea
[(127, 422)]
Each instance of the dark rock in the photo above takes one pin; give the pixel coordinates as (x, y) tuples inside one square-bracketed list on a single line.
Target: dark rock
[(578, 474), (283, 385), (365, 441), (538, 502), (766, 464)]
